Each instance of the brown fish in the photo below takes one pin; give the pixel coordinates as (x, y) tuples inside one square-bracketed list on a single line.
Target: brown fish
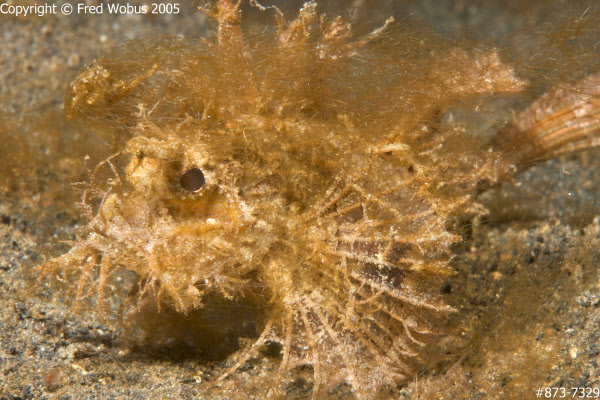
[(305, 172)]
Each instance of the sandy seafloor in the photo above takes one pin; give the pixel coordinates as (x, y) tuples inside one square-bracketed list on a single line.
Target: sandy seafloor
[(526, 287)]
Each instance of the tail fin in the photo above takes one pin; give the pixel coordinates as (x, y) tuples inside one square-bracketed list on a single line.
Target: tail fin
[(564, 120)]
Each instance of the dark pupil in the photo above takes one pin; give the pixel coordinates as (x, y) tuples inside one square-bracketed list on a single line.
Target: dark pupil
[(192, 180)]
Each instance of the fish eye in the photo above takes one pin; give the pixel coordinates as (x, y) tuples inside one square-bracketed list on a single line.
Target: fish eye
[(192, 180)]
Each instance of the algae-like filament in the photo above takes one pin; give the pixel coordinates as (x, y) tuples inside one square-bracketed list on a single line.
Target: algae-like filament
[(305, 172)]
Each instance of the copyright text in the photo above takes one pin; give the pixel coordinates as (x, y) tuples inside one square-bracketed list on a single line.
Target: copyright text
[(40, 10)]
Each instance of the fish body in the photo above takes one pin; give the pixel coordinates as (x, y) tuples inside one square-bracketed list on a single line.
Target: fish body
[(305, 172)]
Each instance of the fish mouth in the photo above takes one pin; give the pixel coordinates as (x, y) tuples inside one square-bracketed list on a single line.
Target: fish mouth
[(181, 248)]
